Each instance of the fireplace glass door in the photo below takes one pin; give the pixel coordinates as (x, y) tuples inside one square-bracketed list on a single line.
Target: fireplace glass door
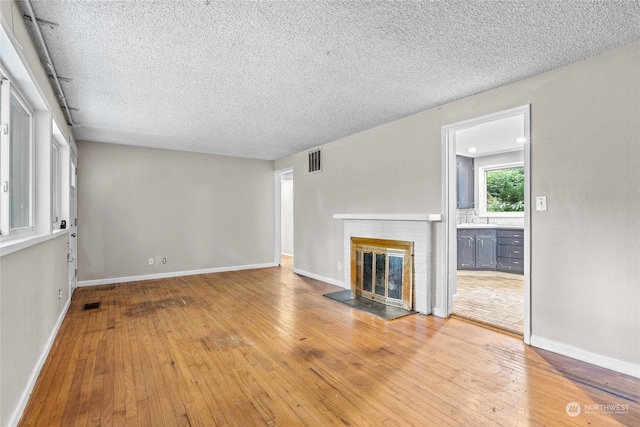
[(382, 271)]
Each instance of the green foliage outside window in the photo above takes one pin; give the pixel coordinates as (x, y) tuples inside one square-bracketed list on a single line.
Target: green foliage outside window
[(505, 190)]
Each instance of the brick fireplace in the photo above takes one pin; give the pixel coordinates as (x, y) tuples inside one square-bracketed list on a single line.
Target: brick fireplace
[(413, 228)]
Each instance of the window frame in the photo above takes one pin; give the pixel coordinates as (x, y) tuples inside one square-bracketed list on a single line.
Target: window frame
[(60, 181), (9, 92), (482, 190), (56, 184), (43, 107)]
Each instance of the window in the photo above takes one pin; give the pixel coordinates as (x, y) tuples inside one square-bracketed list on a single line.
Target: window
[(34, 171), (56, 185), (73, 175), (60, 177), (16, 162), (501, 190)]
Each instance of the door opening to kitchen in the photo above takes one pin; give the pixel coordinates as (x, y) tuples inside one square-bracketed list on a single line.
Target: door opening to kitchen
[(490, 283)]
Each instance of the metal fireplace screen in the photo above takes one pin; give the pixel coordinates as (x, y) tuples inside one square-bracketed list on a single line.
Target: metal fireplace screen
[(382, 270)]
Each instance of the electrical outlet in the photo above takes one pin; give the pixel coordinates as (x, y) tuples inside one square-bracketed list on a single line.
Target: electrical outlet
[(541, 203), (339, 266), (150, 261), (59, 293), (164, 260)]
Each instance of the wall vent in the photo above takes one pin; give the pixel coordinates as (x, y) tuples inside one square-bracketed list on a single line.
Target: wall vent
[(315, 160)]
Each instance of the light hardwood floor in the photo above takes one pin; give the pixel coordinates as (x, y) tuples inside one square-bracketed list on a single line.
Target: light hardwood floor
[(286, 261), (264, 347)]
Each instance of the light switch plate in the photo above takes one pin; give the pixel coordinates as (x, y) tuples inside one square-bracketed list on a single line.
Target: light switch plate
[(541, 203)]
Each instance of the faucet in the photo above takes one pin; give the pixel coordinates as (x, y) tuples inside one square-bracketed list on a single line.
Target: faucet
[(474, 213)]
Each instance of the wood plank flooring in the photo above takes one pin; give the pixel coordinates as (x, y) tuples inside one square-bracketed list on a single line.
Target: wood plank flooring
[(264, 347)]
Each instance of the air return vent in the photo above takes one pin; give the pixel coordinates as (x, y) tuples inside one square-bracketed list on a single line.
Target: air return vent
[(315, 160), (91, 306)]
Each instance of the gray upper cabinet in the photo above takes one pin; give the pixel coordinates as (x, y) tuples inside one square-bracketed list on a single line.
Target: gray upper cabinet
[(464, 182)]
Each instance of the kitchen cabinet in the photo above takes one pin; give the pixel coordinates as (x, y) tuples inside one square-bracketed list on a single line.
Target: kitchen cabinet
[(476, 249), (464, 182), (510, 251), (491, 249), (466, 250), (486, 250)]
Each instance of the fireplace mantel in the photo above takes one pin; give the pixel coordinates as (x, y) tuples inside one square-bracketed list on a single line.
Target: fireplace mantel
[(416, 228), (390, 217)]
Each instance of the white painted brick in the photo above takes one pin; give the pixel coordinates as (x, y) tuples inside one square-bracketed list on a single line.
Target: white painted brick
[(418, 232)]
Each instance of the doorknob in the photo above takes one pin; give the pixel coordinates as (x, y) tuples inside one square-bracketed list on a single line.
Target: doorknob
[(73, 234)]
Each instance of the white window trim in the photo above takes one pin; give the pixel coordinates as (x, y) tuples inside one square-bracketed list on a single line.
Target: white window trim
[(482, 191), (56, 184), (14, 67), (10, 92), (73, 174), (5, 97)]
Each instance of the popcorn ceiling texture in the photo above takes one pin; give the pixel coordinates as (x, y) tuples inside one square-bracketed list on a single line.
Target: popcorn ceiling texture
[(266, 79)]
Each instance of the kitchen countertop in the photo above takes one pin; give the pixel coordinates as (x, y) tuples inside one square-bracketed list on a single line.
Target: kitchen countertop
[(508, 227)]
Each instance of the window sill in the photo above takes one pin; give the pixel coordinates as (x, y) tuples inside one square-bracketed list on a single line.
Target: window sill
[(57, 233), (15, 245)]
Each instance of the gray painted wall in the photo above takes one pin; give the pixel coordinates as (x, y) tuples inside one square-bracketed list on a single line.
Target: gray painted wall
[(585, 159), (199, 211), (29, 311)]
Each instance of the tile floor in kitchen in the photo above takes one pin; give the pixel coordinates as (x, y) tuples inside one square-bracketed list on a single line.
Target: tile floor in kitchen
[(495, 300)]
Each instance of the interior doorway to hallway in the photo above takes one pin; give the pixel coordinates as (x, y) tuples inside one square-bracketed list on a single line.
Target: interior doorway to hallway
[(284, 218)]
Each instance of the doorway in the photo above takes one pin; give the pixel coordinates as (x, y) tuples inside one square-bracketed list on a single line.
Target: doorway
[(487, 166), (284, 218)]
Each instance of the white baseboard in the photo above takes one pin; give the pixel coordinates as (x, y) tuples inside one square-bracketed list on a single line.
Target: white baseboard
[(112, 280), (26, 394), (586, 356), (320, 278)]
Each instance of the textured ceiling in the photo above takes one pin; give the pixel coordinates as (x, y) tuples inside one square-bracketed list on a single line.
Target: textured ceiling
[(266, 79)]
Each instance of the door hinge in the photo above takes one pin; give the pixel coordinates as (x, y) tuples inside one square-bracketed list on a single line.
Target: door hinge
[(5, 129), (76, 273), (4, 187)]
